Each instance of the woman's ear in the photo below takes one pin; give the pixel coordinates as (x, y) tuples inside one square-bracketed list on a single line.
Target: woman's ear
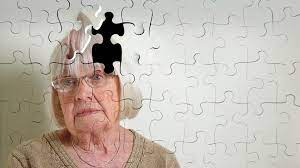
[(118, 83)]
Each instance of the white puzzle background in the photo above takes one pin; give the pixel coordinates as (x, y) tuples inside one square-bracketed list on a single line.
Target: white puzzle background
[(220, 79)]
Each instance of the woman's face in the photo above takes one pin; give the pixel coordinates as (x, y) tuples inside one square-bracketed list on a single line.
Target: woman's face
[(86, 108)]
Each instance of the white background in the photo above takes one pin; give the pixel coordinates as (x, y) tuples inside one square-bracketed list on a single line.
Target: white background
[(221, 89)]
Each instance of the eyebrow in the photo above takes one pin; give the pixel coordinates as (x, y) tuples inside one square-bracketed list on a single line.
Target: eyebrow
[(62, 76), (89, 72), (96, 72)]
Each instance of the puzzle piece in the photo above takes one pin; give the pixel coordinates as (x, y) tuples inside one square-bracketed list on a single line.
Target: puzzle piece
[(107, 52)]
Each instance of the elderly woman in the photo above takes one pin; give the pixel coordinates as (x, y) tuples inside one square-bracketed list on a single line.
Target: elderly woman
[(87, 106)]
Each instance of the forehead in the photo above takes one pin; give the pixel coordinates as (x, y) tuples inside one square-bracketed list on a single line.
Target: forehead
[(78, 66)]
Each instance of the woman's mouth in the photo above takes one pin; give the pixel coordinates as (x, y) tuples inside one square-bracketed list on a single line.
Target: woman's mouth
[(86, 112)]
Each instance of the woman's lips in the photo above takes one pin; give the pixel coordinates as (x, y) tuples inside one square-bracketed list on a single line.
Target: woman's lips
[(86, 112)]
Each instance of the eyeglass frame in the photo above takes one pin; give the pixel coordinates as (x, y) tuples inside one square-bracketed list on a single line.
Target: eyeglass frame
[(78, 80)]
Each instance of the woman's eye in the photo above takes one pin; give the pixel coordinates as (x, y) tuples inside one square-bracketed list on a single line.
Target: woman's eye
[(68, 82), (97, 77)]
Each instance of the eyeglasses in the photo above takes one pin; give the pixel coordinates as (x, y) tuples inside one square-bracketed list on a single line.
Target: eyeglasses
[(69, 84)]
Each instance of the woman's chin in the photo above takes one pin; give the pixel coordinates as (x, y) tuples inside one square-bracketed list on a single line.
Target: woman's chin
[(90, 122)]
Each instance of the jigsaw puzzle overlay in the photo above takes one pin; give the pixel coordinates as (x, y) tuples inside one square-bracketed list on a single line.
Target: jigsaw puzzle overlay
[(220, 79)]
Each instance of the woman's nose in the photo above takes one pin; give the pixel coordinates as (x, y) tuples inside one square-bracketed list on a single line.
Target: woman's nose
[(84, 91)]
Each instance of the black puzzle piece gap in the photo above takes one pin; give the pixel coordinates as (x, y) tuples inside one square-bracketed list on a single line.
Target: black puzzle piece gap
[(107, 52)]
